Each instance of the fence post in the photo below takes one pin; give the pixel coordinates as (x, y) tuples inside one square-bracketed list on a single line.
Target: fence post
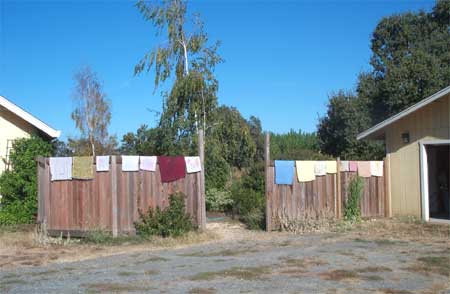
[(114, 213), (387, 186), (41, 181), (338, 188), (268, 185), (201, 206)]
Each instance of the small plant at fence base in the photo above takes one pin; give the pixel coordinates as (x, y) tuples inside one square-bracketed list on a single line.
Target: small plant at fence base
[(172, 221), (352, 210), (218, 200), (308, 221)]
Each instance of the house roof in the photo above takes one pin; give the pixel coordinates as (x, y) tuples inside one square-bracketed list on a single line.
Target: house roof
[(375, 130), (40, 125)]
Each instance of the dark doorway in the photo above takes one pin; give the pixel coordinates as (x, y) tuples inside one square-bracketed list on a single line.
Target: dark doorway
[(438, 181)]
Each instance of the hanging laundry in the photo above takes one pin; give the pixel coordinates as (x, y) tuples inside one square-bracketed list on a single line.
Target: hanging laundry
[(102, 163), (320, 168), (284, 172), (376, 168), (352, 166), (172, 168), (60, 168), (82, 168), (130, 163), (364, 169), (148, 163), (305, 170), (331, 166), (193, 164), (345, 167)]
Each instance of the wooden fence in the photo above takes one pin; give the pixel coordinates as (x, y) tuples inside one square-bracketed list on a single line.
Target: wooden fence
[(112, 199), (324, 196)]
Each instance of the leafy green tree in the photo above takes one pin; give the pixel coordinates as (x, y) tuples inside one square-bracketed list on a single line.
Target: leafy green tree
[(188, 59), (295, 146), (18, 186)]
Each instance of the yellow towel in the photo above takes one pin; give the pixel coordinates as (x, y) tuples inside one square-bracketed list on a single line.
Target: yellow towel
[(331, 166), (305, 170), (82, 168)]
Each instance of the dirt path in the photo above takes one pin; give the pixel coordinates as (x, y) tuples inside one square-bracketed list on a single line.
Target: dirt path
[(361, 261)]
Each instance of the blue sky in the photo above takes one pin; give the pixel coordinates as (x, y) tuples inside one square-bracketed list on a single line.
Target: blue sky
[(282, 58)]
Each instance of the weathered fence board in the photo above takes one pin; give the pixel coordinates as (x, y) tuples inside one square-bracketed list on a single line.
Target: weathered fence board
[(111, 200)]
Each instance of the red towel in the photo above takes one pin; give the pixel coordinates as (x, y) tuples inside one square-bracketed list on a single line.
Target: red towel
[(172, 168)]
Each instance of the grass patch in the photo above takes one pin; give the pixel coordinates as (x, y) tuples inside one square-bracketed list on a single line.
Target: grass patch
[(10, 276), (151, 272), (431, 264), (115, 288), (202, 291), (241, 273), (374, 269), (151, 259), (225, 252), (394, 291), (339, 275), (372, 278), (126, 274), (44, 273)]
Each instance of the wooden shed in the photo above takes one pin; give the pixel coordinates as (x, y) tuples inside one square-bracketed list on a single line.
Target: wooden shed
[(417, 149)]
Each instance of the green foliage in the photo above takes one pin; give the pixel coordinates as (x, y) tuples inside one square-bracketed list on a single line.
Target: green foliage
[(217, 168), (18, 186), (295, 146), (218, 200), (352, 210), (172, 221), (410, 61)]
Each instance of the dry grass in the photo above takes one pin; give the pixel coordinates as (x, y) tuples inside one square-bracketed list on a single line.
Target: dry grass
[(339, 275), (202, 291), (240, 273), (115, 288), (225, 252), (393, 291), (432, 264)]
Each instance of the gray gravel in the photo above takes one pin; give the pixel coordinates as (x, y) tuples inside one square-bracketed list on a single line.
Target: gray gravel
[(322, 263)]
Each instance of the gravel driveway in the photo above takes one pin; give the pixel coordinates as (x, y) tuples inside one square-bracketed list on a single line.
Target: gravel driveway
[(280, 263)]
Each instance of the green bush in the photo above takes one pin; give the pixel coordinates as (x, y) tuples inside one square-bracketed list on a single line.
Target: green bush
[(172, 221), (218, 200), (249, 204), (18, 186), (352, 210)]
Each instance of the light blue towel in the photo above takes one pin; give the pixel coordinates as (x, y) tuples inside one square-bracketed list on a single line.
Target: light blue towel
[(284, 172)]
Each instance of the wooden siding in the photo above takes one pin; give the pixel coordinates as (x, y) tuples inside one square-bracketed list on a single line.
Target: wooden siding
[(111, 200), (428, 123)]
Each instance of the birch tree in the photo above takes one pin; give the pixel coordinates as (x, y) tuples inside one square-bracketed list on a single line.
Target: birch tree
[(186, 57), (92, 113)]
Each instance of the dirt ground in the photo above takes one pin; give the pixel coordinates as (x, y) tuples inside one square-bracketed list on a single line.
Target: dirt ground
[(378, 256)]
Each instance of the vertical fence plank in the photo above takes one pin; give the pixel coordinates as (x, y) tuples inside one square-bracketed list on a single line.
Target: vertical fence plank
[(114, 211)]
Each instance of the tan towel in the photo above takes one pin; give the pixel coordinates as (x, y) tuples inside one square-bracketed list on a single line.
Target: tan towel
[(376, 168), (305, 170), (364, 169), (82, 168), (320, 168), (331, 166)]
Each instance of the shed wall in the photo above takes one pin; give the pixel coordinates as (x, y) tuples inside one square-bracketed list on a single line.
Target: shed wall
[(429, 123)]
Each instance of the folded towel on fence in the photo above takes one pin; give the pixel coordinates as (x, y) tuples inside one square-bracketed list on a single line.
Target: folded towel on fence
[(102, 163), (352, 166), (193, 164), (344, 166), (148, 163), (320, 168), (331, 166), (284, 172), (376, 168), (305, 170), (82, 168), (130, 163), (61, 168), (364, 169), (172, 168)]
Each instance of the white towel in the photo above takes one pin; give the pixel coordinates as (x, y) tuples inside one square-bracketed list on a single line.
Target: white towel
[(193, 164), (320, 168), (102, 163), (345, 167), (376, 168), (61, 168), (148, 163), (130, 163)]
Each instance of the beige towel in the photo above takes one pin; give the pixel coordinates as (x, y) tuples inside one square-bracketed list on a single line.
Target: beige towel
[(364, 169), (61, 168), (376, 168), (305, 170), (82, 168), (331, 166), (320, 168), (345, 167)]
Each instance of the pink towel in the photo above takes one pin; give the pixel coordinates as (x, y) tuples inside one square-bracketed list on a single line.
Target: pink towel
[(352, 166), (364, 169)]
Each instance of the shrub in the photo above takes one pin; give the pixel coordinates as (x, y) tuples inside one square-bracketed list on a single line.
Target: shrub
[(352, 210), (218, 200), (18, 187), (249, 204), (172, 221)]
